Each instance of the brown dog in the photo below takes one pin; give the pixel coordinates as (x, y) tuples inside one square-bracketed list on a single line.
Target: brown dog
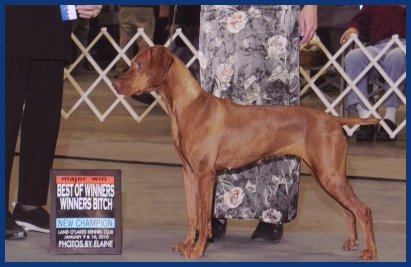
[(207, 132)]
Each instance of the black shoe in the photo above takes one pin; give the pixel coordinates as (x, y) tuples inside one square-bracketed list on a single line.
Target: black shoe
[(37, 219), (382, 134), (268, 232), (145, 98), (13, 230), (365, 133), (218, 226)]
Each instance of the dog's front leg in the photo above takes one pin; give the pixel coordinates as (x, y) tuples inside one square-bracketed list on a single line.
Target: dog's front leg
[(205, 184), (191, 200)]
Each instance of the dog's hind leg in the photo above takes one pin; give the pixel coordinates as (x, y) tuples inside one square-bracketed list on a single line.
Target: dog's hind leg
[(335, 183), (191, 201), (205, 184), (352, 242), (327, 160)]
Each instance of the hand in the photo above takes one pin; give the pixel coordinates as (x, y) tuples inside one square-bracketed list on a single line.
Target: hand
[(88, 11), (347, 34), (308, 23)]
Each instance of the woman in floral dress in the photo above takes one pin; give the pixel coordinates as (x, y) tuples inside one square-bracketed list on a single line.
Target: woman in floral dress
[(250, 55)]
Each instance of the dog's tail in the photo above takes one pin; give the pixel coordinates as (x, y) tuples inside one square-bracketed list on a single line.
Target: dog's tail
[(354, 121)]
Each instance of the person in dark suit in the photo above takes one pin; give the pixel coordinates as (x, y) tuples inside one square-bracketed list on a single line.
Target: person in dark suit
[(37, 49)]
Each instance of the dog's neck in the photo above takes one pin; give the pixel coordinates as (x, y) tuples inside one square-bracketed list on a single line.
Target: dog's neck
[(180, 89)]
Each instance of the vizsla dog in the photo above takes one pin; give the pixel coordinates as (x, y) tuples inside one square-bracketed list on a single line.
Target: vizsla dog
[(209, 134)]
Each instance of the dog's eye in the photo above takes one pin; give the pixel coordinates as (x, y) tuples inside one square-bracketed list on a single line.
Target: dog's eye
[(138, 66)]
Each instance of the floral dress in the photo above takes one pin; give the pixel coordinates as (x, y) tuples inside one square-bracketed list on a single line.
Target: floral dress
[(250, 54)]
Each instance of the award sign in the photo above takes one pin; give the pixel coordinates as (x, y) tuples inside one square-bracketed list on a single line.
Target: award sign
[(85, 212)]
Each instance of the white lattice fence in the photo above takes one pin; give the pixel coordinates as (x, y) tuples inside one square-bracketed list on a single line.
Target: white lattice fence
[(330, 104), (351, 84)]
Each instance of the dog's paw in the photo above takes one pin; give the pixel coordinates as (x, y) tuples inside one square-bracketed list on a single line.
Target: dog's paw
[(187, 252), (181, 247), (350, 244), (196, 252), (192, 252), (368, 255)]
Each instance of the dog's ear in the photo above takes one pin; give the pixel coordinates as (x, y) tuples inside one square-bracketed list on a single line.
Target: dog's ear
[(160, 62)]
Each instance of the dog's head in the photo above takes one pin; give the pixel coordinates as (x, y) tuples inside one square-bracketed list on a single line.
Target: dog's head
[(148, 71)]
